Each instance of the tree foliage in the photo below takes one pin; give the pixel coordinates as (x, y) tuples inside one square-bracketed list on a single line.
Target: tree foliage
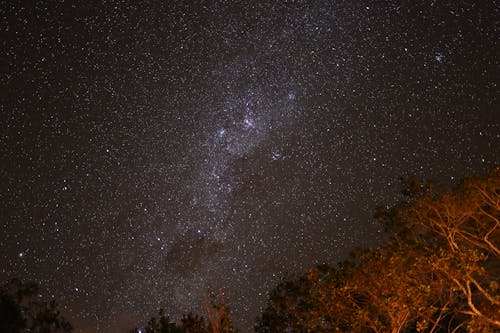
[(438, 272), (218, 315), (22, 310)]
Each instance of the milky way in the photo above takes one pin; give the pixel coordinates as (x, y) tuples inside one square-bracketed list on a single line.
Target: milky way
[(150, 152)]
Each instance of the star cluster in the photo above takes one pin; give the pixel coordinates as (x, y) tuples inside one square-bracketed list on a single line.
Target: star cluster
[(151, 151)]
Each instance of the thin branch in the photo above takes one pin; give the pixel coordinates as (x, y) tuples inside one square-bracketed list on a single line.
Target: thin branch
[(483, 291)]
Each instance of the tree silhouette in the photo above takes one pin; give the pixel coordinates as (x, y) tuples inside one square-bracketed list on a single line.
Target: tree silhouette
[(218, 314), (22, 310)]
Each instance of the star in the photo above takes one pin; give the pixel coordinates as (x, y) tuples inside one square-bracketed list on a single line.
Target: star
[(153, 152)]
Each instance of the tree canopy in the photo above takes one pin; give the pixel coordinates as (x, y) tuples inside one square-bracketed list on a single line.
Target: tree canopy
[(218, 320), (22, 310), (437, 272)]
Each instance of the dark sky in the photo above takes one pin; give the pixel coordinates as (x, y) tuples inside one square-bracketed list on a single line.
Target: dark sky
[(154, 149)]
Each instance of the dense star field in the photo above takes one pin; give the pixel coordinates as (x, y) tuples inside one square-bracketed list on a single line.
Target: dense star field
[(152, 150)]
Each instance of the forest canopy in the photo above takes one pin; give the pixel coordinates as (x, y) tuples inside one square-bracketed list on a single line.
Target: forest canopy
[(437, 271)]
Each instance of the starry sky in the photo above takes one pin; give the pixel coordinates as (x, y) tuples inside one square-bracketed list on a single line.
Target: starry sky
[(152, 150)]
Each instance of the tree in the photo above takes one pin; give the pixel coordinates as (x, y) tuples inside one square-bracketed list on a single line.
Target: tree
[(459, 231), (193, 324), (292, 302), (219, 314), (22, 310), (219, 320), (437, 272)]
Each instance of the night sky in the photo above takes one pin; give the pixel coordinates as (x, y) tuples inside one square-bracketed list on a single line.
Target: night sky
[(154, 149)]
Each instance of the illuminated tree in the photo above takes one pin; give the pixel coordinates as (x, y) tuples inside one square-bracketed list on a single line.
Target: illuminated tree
[(459, 232), (218, 314), (438, 271)]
